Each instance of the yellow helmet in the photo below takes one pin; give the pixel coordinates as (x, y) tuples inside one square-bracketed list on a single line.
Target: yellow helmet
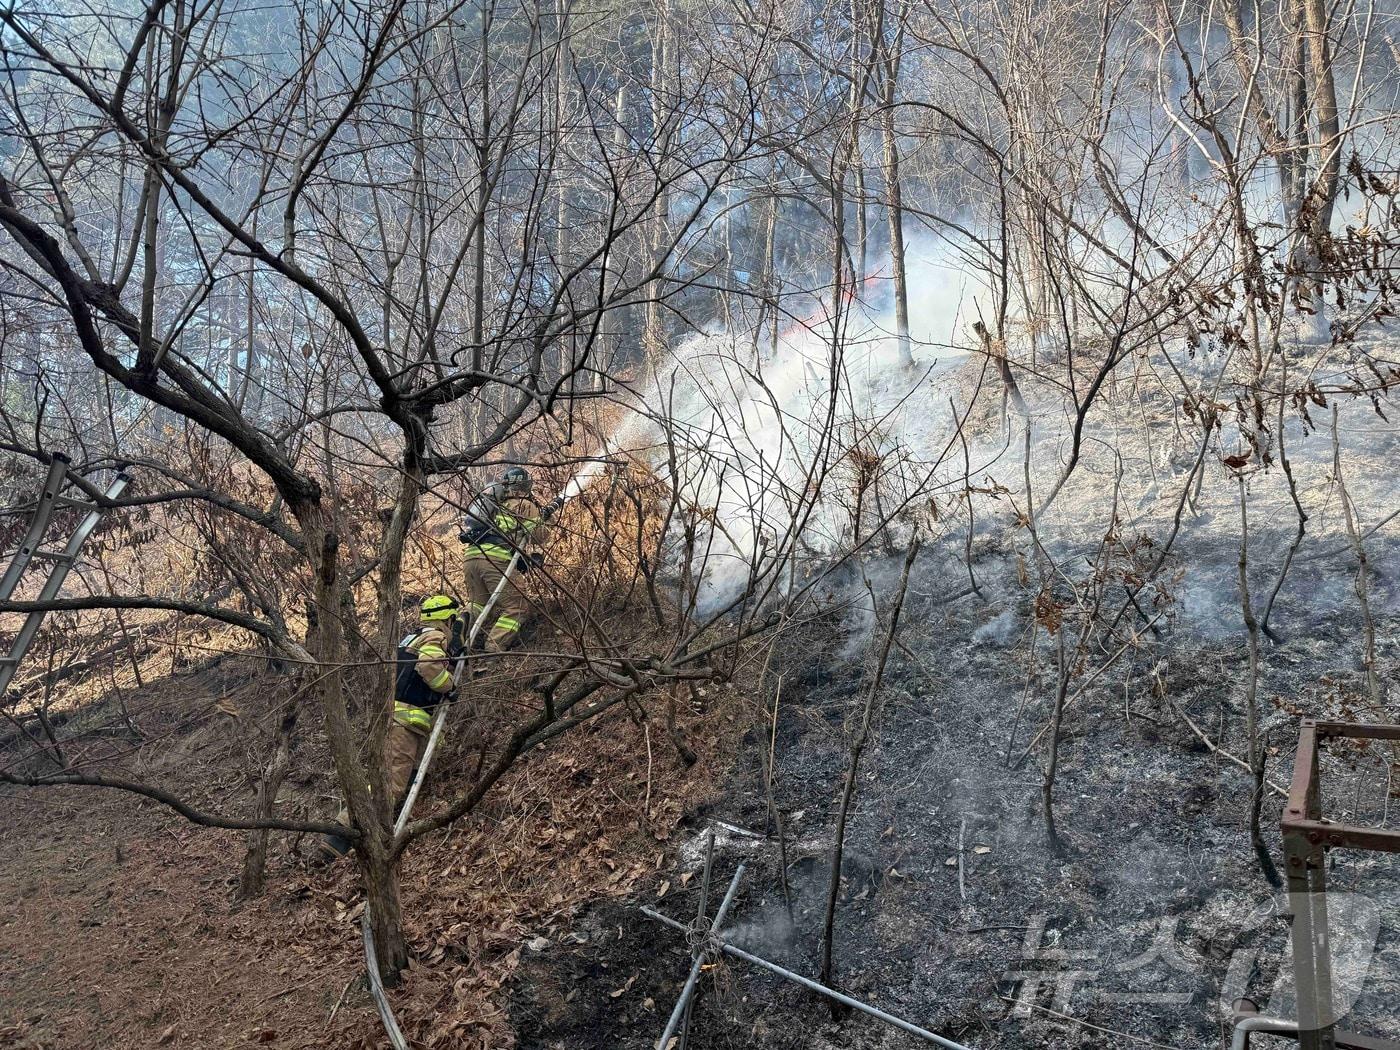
[(438, 607)]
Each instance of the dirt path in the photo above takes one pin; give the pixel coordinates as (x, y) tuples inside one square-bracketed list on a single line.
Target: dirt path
[(120, 931)]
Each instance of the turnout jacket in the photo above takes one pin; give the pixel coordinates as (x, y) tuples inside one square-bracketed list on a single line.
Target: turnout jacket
[(497, 525), (424, 675)]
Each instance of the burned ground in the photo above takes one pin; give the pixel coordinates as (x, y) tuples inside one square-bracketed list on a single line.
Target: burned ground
[(1156, 912)]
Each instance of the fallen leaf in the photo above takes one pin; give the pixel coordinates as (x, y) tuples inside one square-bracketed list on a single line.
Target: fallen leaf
[(979, 850), (618, 991), (665, 888)]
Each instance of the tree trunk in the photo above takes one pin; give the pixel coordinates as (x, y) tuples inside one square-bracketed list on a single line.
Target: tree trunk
[(662, 80), (1329, 144), (563, 106), (684, 750), (894, 211), (253, 878), (370, 812), (768, 303), (862, 62), (616, 319), (1295, 122), (483, 190), (381, 879), (1266, 121), (1180, 151), (862, 251)]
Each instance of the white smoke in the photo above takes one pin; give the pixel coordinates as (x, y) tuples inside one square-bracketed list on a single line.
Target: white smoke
[(746, 441)]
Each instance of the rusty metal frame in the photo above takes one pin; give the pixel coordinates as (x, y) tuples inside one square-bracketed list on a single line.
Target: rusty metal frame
[(1307, 836)]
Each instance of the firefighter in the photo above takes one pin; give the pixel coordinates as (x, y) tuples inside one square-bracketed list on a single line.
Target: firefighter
[(503, 520), (423, 678)]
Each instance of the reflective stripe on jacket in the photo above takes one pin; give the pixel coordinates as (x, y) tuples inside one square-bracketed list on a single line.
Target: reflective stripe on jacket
[(490, 550), (410, 717), (507, 523)]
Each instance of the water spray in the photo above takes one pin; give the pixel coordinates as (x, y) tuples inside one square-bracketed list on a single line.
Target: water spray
[(582, 478)]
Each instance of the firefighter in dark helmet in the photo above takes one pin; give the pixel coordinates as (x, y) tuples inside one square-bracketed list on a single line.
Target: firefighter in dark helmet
[(422, 679), (505, 519)]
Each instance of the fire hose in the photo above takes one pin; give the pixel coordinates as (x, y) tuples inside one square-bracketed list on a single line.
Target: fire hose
[(575, 486), (376, 986), (440, 718)]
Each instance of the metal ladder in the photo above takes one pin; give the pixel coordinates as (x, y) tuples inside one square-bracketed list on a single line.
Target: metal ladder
[(51, 499)]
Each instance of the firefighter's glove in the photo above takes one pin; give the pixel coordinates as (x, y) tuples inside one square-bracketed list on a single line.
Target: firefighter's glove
[(535, 560)]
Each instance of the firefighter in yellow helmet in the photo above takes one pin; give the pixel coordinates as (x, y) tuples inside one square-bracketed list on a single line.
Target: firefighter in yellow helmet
[(423, 678), (504, 519)]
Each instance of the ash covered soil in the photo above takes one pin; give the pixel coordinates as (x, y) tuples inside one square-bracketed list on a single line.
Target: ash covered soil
[(1141, 933)]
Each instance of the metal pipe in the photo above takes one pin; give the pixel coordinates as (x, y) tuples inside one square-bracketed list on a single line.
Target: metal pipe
[(386, 1013), (38, 524), (689, 988), (63, 562), (376, 985), (441, 717), (695, 950), (1245, 1025), (820, 989)]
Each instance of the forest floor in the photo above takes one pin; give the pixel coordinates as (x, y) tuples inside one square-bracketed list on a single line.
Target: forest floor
[(121, 927)]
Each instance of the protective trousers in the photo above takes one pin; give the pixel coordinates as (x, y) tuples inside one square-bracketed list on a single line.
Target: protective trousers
[(402, 750), (403, 747), (512, 609)]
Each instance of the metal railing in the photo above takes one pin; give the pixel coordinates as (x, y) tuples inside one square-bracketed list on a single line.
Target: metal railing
[(1307, 836), (31, 547)]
